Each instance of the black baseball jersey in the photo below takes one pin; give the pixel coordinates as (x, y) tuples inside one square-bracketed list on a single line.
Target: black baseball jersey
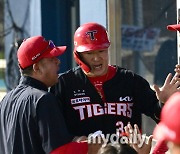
[(30, 120), (127, 96)]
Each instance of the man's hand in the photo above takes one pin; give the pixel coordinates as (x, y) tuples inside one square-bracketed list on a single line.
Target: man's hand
[(93, 148), (140, 143), (171, 85), (177, 68), (80, 139)]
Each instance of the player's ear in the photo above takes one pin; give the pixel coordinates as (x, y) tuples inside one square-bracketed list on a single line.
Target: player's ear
[(36, 67)]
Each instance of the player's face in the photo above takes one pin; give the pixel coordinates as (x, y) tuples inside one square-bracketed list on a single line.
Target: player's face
[(49, 68), (97, 61)]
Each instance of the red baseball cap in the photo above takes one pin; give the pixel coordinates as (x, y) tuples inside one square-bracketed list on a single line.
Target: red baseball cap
[(175, 27), (35, 48), (169, 127)]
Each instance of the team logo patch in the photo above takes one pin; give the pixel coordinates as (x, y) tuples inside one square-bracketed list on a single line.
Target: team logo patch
[(91, 34), (125, 99), (80, 100), (79, 93)]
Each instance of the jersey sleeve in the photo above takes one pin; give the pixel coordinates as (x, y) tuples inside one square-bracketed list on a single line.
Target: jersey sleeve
[(146, 99), (51, 124)]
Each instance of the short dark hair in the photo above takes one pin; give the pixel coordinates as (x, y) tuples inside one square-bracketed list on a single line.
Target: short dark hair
[(27, 71), (116, 148)]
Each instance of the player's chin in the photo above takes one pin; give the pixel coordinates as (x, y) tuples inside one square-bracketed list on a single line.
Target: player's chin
[(54, 81), (55, 77), (98, 73)]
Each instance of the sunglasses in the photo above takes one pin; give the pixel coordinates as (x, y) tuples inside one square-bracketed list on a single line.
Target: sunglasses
[(50, 45)]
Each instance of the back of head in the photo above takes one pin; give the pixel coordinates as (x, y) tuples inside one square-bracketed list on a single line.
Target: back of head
[(117, 149), (169, 127)]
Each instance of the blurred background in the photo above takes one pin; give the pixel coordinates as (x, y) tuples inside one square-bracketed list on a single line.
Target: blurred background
[(2, 58)]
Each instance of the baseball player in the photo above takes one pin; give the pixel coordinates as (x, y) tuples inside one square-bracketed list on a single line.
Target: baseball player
[(168, 130), (30, 120), (98, 96)]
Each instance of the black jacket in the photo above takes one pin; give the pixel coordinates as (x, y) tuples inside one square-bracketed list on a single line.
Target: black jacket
[(30, 120)]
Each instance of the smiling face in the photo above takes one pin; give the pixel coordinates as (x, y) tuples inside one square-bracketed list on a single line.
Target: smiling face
[(97, 60)]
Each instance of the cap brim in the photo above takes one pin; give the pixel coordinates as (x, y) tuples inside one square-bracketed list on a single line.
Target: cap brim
[(163, 133), (90, 47), (174, 27), (55, 52)]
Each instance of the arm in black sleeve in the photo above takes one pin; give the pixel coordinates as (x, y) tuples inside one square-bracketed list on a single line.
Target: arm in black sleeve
[(51, 124), (146, 99)]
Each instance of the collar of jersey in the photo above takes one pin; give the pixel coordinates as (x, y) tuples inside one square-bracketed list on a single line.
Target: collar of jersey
[(26, 80)]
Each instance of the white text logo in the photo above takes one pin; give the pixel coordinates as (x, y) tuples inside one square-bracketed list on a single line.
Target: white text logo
[(80, 100)]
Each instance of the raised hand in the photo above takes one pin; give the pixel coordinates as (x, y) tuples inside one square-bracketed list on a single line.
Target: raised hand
[(171, 85), (140, 143)]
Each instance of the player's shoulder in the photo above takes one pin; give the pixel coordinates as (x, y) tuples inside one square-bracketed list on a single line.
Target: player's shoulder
[(71, 73), (48, 96), (44, 97), (127, 73), (37, 96)]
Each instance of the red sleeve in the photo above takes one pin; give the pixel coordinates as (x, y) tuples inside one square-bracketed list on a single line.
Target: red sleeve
[(72, 148), (160, 148)]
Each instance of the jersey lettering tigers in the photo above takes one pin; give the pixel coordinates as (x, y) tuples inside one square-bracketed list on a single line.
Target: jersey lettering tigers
[(90, 110)]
